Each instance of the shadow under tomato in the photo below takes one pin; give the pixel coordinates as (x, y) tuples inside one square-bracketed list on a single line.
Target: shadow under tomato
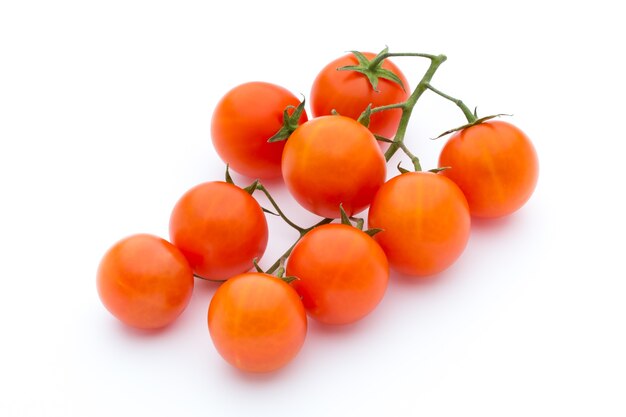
[(480, 224)]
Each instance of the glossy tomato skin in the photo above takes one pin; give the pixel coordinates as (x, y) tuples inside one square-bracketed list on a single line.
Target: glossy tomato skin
[(257, 322), (425, 221), (244, 119), (144, 281), (332, 160), (220, 229), (350, 92), (496, 166), (342, 273)]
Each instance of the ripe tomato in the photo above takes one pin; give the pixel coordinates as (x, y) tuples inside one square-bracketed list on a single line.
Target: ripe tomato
[(257, 322), (425, 222), (144, 281), (220, 228), (495, 165), (349, 92), (244, 119), (331, 160), (342, 273)]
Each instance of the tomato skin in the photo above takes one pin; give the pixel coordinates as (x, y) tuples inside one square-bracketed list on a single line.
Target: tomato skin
[(144, 281), (342, 273), (220, 229), (349, 92), (496, 166), (257, 322), (425, 221), (244, 119), (331, 160)]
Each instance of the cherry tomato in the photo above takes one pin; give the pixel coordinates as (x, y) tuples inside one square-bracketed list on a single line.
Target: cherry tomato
[(257, 322), (244, 119), (331, 160), (220, 228), (349, 92), (496, 166), (144, 281), (342, 273), (425, 221)]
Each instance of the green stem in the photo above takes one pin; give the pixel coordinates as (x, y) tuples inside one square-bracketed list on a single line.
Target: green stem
[(376, 61), (414, 159), (435, 62), (261, 188), (471, 118), (277, 264), (388, 107)]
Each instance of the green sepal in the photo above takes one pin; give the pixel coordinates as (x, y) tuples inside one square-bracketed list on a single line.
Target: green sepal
[(290, 123), (372, 232), (402, 170), (252, 187), (366, 116), (227, 176), (268, 211), (359, 222), (382, 139), (373, 72), (334, 112), (289, 279), (255, 262), (344, 216), (474, 123), (438, 170)]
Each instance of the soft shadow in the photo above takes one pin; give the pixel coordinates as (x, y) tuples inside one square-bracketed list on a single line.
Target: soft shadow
[(487, 225)]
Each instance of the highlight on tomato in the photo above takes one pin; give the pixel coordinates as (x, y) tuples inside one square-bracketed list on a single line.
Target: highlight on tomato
[(349, 92), (257, 322), (144, 281), (243, 121), (333, 160), (341, 273), (425, 221), (495, 165), (220, 228)]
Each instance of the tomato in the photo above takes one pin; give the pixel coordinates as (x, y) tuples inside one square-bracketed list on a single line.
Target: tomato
[(342, 273), (425, 221), (257, 322), (144, 281), (349, 92), (244, 119), (220, 228), (331, 160), (496, 166)]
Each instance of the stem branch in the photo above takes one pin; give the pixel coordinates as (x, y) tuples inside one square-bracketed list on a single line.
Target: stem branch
[(262, 188), (471, 118), (435, 62)]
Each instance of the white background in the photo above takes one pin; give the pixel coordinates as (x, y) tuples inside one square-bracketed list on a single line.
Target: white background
[(104, 122)]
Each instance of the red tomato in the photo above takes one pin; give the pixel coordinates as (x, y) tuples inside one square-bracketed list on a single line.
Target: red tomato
[(349, 92), (495, 165), (257, 322), (332, 160), (244, 119), (425, 222), (342, 273), (144, 281), (220, 228)]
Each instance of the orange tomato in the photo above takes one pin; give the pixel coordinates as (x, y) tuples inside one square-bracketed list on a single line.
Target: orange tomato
[(220, 229), (244, 119), (342, 273), (144, 281), (350, 92), (425, 221), (257, 322), (496, 166), (332, 160)]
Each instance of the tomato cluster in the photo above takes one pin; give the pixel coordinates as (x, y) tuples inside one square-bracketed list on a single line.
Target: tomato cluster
[(334, 165)]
